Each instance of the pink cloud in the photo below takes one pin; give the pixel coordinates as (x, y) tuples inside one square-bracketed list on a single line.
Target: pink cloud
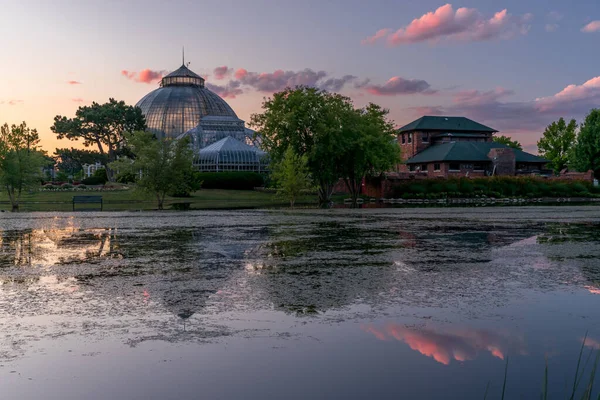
[(380, 34), (490, 107), (400, 86), (593, 26), (240, 73), (12, 102), (476, 97), (74, 82), (144, 76), (464, 24), (570, 96), (231, 90), (222, 72), (78, 100), (278, 80)]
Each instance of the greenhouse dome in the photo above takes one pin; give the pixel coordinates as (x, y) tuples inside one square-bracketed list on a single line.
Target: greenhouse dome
[(230, 154), (180, 104)]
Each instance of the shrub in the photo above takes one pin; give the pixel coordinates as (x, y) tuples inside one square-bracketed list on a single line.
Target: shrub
[(99, 178), (230, 180), (93, 180), (126, 177), (66, 186)]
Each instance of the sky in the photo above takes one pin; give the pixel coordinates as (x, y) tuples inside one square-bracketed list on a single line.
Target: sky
[(511, 64)]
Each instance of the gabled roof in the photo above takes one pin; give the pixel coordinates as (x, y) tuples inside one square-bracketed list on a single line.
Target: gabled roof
[(183, 71), (446, 124), (231, 145), (467, 151)]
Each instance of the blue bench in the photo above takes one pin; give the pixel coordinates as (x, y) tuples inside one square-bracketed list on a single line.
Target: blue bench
[(87, 200)]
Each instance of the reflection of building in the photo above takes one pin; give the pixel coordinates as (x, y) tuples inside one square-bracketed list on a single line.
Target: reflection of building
[(458, 146), (183, 107)]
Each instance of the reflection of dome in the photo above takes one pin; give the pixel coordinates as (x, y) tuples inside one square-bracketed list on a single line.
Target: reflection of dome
[(181, 103)]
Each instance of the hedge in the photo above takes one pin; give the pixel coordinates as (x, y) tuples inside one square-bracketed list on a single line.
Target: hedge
[(497, 187), (230, 180)]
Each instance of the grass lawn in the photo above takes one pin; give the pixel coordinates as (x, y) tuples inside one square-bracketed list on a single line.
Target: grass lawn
[(134, 200)]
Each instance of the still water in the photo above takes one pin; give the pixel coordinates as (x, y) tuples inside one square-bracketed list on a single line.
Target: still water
[(349, 304)]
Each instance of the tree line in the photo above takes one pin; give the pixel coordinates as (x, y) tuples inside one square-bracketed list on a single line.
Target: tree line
[(314, 138)]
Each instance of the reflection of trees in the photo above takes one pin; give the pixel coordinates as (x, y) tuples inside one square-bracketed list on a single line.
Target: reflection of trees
[(329, 265), (579, 242), (444, 345)]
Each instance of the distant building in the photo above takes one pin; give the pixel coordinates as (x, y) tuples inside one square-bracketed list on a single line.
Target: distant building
[(457, 146), (90, 169)]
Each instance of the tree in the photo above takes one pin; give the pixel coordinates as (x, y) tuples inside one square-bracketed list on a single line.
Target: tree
[(586, 153), (165, 165), (291, 175), (507, 141), (71, 160), (369, 147), (557, 142), (101, 125), (21, 161), (310, 122)]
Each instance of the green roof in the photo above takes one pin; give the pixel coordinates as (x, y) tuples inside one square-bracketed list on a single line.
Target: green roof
[(468, 151), (447, 124)]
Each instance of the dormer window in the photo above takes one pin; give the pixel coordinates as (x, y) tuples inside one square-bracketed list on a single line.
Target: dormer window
[(425, 137)]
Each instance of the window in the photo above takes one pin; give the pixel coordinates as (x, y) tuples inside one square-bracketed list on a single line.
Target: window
[(425, 137), (410, 138), (467, 166), (403, 138), (424, 167), (454, 167), (436, 167), (412, 168), (479, 166)]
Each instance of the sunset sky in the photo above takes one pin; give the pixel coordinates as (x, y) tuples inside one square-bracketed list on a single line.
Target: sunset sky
[(513, 65)]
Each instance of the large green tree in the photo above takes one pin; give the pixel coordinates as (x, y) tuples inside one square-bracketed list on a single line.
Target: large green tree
[(586, 153), (101, 125), (21, 160), (291, 175), (557, 142), (304, 119), (368, 147), (507, 141), (164, 165)]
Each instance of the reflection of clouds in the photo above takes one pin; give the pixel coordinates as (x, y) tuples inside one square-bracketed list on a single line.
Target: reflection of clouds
[(592, 289), (444, 346), (591, 343)]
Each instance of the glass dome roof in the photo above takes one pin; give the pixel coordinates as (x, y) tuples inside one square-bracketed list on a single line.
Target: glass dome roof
[(180, 104)]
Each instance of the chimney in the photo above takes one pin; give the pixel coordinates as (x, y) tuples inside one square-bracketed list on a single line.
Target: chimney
[(503, 161)]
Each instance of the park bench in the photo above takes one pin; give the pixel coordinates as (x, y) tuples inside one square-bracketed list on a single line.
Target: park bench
[(87, 200)]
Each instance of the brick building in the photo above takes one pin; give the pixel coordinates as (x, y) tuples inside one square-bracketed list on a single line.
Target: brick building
[(457, 146)]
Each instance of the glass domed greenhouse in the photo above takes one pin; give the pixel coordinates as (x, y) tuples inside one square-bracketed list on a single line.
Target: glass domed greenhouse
[(183, 107)]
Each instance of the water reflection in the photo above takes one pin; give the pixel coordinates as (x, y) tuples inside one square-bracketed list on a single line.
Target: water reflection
[(446, 344), (467, 291)]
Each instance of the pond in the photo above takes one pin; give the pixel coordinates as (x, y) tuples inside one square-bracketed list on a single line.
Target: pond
[(352, 304)]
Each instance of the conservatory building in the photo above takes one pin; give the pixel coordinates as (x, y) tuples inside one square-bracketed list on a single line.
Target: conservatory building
[(182, 107)]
